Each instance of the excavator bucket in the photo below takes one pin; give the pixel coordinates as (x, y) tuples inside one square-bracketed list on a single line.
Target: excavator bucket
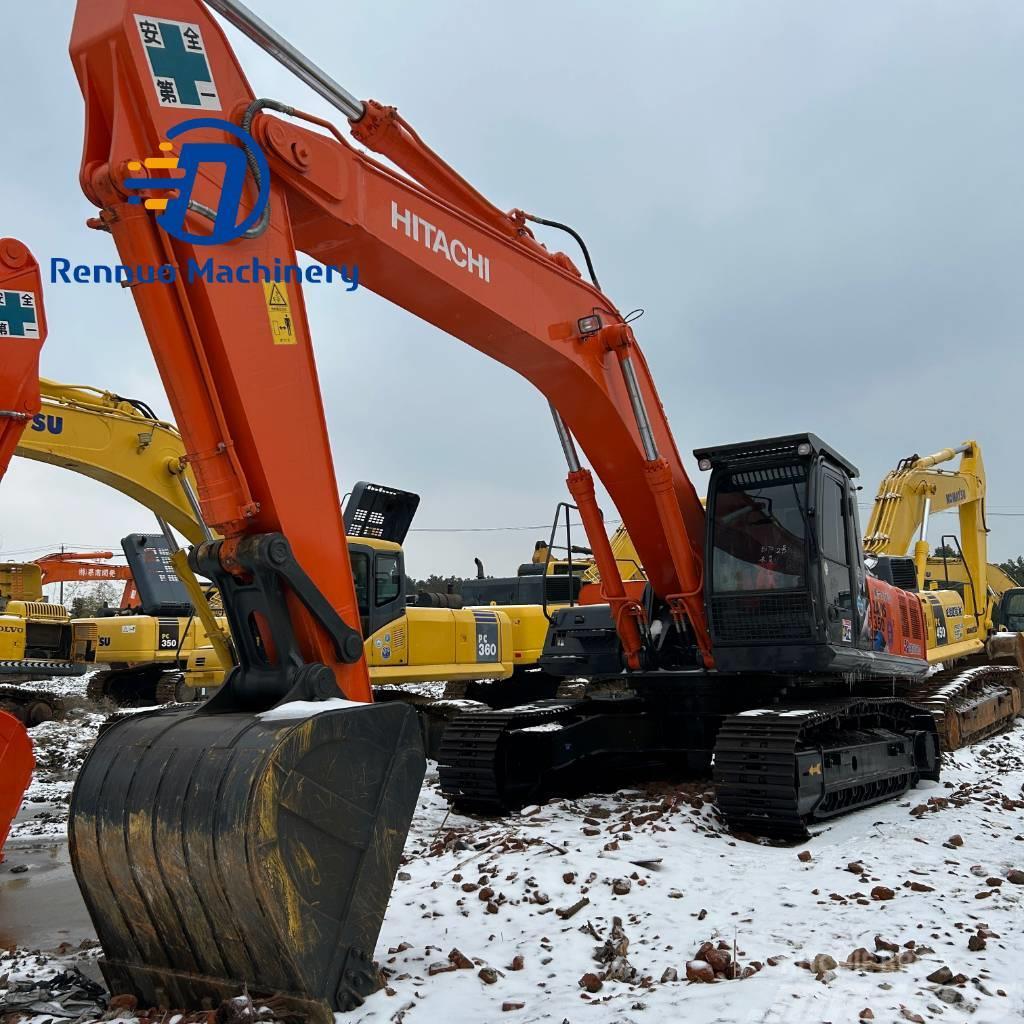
[(16, 764), (222, 852)]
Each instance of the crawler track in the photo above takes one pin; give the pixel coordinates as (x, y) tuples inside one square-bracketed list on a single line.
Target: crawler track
[(473, 764), (31, 707), (778, 769), (971, 704)]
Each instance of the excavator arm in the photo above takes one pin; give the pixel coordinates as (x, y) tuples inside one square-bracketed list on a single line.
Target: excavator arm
[(913, 491), (22, 332), (116, 442), (428, 242), (72, 566)]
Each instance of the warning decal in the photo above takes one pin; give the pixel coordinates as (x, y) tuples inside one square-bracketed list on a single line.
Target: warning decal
[(282, 327), (178, 63), (18, 315)]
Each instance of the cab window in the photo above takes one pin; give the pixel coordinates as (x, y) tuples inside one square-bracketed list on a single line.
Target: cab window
[(833, 522), (759, 530), (388, 578)]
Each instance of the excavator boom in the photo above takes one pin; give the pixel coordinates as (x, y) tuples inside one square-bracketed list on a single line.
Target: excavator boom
[(431, 245), (117, 442), (75, 566), (918, 487)]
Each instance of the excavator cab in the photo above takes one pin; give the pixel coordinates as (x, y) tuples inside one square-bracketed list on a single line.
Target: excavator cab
[(786, 584), (1009, 614)]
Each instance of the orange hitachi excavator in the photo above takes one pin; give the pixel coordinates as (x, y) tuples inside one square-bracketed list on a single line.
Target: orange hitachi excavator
[(22, 333), (254, 839)]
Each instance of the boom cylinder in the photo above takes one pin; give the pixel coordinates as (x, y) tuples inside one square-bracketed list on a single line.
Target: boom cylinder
[(643, 421), (625, 611), (572, 458), (921, 547), (659, 479)]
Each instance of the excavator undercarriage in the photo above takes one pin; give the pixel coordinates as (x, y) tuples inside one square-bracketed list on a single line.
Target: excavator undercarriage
[(777, 765)]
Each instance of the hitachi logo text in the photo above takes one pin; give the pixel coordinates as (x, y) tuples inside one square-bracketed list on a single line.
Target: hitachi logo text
[(434, 239)]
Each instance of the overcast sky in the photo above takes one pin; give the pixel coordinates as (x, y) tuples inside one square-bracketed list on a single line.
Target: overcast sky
[(818, 205)]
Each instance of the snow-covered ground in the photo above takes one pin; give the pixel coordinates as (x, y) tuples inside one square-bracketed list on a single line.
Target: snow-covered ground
[(528, 905), (60, 749)]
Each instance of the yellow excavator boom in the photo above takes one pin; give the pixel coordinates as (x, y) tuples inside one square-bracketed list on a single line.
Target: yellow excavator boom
[(121, 443), (918, 488), (107, 438)]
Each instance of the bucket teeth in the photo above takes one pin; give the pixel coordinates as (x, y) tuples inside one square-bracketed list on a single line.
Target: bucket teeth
[(217, 851)]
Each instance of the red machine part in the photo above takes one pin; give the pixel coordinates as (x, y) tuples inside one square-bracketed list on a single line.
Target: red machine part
[(895, 619), (16, 764), (22, 333), (78, 566)]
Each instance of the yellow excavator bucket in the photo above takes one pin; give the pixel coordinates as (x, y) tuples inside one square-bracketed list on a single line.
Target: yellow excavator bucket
[(216, 850)]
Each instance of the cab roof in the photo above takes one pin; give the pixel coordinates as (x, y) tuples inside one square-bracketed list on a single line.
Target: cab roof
[(773, 448)]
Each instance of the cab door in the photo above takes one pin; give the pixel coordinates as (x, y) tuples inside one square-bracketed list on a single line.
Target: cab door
[(838, 562)]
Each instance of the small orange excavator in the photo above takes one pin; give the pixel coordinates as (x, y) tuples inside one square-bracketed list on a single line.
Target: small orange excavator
[(254, 840), (22, 333)]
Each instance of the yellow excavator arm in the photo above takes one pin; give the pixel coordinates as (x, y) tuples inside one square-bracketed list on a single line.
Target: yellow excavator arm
[(121, 443), (917, 488), (112, 440)]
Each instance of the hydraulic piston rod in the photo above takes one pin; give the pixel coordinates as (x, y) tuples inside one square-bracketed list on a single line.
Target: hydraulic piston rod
[(284, 53)]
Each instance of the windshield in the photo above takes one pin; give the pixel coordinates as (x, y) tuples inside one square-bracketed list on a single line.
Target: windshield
[(1013, 613), (759, 530)]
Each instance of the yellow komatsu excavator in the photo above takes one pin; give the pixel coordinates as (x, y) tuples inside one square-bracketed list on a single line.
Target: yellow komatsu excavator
[(976, 697), (173, 655)]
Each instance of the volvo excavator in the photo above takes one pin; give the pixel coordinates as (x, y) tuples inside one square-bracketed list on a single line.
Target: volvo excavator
[(291, 780), (22, 333)]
